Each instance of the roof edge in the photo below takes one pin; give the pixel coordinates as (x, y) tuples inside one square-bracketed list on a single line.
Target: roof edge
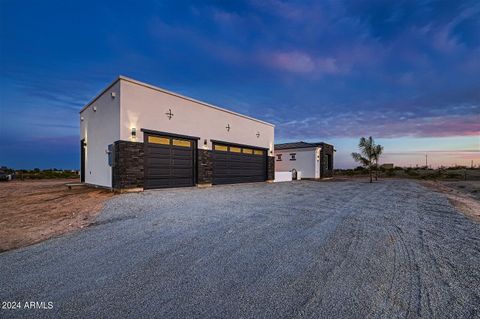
[(156, 88), (100, 93)]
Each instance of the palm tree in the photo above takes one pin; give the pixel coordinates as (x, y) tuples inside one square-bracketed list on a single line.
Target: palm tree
[(377, 151), (369, 154)]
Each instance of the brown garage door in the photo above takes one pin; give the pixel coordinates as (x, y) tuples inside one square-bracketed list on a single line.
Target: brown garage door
[(238, 164), (168, 161)]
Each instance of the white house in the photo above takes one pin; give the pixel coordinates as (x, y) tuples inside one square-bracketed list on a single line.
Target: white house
[(136, 135), (310, 160)]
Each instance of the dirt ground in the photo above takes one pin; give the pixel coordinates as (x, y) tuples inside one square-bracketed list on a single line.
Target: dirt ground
[(464, 195), (32, 211)]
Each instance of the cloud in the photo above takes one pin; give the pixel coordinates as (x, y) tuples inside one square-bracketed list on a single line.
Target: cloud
[(302, 63), (378, 125), (292, 61)]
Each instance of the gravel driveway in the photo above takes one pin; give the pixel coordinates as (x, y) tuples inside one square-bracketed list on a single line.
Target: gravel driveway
[(304, 249)]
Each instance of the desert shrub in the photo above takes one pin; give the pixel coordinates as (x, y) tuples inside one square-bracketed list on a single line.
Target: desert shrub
[(390, 173), (45, 174), (412, 173), (454, 176)]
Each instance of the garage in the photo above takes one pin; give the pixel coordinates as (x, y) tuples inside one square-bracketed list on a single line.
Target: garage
[(168, 162), (139, 136), (238, 164)]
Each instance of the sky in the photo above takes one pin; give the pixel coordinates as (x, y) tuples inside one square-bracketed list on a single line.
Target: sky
[(405, 72)]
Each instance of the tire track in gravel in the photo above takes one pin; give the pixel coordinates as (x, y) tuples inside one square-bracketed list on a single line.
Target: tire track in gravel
[(343, 261)]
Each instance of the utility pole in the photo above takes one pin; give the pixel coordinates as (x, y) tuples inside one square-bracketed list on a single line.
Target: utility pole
[(426, 160)]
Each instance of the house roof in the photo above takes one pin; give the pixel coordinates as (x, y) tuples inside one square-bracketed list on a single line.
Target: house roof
[(124, 78), (301, 144)]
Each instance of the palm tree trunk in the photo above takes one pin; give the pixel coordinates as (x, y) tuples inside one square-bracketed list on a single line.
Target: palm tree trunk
[(376, 171), (370, 171)]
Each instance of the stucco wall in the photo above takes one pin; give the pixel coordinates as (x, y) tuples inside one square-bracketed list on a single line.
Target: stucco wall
[(307, 162), (144, 107), (99, 129)]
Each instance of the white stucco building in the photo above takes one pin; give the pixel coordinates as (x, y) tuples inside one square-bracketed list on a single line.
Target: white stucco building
[(312, 160), (136, 135)]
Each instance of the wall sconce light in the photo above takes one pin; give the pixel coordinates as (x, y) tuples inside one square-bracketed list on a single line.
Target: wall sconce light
[(82, 118), (271, 152), (134, 132), (205, 142), (113, 94), (94, 109)]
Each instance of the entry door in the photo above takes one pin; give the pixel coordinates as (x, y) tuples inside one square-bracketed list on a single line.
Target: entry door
[(168, 162), (238, 164)]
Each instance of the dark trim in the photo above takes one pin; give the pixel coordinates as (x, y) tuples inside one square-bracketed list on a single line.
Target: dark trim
[(239, 145), (82, 161), (144, 130), (195, 162), (295, 148)]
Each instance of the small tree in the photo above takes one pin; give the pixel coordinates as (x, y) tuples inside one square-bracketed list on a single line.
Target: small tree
[(377, 151), (369, 154)]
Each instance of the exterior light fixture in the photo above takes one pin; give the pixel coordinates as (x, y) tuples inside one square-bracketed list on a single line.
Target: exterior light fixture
[(205, 142), (134, 132), (258, 134), (82, 118), (113, 94), (94, 109)]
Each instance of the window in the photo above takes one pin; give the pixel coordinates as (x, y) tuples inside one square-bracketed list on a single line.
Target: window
[(183, 143), (292, 156), (235, 149), (329, 162), (247, 151), (258, 152), (222, 148), (279, 157), (159, 140)]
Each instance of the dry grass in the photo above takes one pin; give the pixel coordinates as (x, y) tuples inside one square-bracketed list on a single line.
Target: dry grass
[(463, 195), (32, 211)]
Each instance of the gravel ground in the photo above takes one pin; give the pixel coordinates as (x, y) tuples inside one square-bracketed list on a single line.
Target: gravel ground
[(304, 249)]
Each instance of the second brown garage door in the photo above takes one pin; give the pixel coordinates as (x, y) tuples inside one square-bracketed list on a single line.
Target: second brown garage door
[(238, 164), (169, 162)]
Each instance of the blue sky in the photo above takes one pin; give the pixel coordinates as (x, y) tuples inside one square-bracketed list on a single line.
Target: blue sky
[(405, 72)]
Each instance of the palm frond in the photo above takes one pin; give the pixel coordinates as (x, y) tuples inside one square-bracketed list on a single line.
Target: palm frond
[(377, 151), (359, 158)]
